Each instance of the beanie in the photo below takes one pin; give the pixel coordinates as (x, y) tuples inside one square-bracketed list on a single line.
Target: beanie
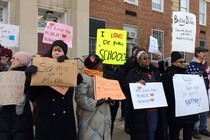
[(92, 60), (61, 44), (6, 51), (201, 49), (175, 56), (23, 57)]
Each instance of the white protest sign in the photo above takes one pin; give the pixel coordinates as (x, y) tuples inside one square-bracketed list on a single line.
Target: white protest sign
[(184, 32), (190, 94), (150, 95), (153, 45), (9, 35), (12, 85)]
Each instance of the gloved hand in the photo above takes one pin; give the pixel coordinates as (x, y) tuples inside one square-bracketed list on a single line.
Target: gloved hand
[(100, 102), (61, 58), (110, 101), (31, 69)]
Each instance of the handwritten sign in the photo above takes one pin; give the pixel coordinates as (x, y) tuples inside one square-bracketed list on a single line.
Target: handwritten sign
[(153, 45), (57, 31), (105, 88), (111, 46), (184, 32), (150, 95), (61, 90), (9, 35), (12, 85), (190, 94), (53, 73)]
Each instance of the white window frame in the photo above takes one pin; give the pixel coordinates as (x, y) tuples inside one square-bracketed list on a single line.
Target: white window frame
[(202, 21), (187, 9), (158, 42), (134, 2), (161, 6)]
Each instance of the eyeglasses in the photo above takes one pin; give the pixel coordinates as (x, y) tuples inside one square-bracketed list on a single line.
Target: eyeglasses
[(15, 58), (4, 55), (181, 62), (146, 58)]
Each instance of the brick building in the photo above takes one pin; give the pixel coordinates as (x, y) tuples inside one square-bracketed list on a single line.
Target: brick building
[(142, 18)]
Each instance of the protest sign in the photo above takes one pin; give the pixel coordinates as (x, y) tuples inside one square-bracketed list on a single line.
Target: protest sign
[(153, 45), (111, 46), (190, 94), (61, 90), (150, 95), (12, 85), (57, 31), (105, 88), (52, 73), (9, 35), (184, 32)]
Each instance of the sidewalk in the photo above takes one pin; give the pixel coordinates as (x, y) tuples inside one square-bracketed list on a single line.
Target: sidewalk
[(119, 133)]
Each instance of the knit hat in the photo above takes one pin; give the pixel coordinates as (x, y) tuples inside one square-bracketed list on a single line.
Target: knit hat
[(23, 57), (201, 49), (6, 51), (175, 56), (92, 60), (61, 44)]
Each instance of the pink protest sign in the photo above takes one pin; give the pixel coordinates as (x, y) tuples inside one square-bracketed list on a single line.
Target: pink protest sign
[(57, 31)]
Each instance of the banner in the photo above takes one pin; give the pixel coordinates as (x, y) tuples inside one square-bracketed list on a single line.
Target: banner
[(9, 35), (184, 32), (53, 73), (153, 45), (190, 94), (105, 88), (57, 31), (111, 46), (12, 84), (150, 95)]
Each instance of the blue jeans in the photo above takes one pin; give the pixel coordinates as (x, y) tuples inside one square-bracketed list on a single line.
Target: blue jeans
[(152, 120), (203, 121)]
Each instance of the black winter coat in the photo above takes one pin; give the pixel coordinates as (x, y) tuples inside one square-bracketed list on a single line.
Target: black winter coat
[(55, 114), (138, 121), (169, 91), (13, 126)]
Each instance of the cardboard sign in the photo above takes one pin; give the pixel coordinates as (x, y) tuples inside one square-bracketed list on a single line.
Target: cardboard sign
[(9, 35), (184, 32), (53, 73), (153, 45), (105, 88), (61, 90), (12, 84), (150, 95), (190, 94), (57, 31), (111, 46)]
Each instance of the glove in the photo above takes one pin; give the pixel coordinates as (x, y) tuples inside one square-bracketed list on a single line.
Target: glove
[(31, 69), (100, 102), (61, 58), (110, 101)]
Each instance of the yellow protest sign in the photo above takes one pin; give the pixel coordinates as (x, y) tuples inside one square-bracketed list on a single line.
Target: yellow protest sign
[(53, 73), (111, 46), (105, 88)]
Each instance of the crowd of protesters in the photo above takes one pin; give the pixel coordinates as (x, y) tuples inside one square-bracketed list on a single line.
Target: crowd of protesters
[(54, 118)]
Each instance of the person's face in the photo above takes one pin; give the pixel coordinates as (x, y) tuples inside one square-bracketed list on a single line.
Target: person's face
[(4, 58), (99, 67), (180, 63), (201, 55), (57, 51), (15, 63), (144, 60)]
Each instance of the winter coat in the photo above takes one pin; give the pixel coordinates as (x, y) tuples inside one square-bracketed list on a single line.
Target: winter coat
[(169, 91), (137, 118), (13, 126), (55, 114), (94, 123)]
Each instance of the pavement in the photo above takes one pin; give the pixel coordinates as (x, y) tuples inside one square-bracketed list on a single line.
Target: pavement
[(119, 134)]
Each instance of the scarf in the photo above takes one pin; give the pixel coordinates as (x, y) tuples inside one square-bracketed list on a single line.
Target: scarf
[(92, 72)]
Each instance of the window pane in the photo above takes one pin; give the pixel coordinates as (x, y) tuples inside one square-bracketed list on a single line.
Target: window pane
[(184, 5), (156, 4), (1, 14), (203, 43)]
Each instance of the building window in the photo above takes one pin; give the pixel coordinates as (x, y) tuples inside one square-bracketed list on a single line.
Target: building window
[(4, 12), (202, 42), (202, 12), (135, 2), (157, 5), (94, 25), (184, 5), (159, 35)]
